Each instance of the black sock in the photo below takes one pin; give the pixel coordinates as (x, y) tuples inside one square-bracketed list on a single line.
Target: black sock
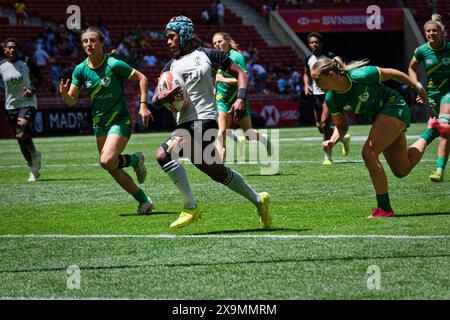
[(124, 161)]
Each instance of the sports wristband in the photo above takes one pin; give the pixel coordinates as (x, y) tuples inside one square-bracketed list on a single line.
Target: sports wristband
[(242, 94), (419, 86)]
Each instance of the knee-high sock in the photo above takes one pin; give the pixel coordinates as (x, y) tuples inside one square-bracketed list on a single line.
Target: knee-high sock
[(179, 178), (237, 183)]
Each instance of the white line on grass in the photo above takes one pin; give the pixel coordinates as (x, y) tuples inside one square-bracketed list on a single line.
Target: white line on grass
[(66, 165), (251, 236)]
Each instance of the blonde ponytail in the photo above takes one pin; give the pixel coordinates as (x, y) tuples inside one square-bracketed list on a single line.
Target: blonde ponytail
[(325, 65)]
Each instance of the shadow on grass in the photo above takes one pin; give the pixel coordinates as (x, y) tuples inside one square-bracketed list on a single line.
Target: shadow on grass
[(271, 175), (249, 230), (63, 179), (226, 263), (348, 162), (148, 214), (424, 214)]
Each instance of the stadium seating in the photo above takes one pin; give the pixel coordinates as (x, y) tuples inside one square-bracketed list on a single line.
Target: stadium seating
[(152, 16)]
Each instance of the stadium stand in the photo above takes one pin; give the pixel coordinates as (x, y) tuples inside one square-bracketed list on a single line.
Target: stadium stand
[(152, 16)]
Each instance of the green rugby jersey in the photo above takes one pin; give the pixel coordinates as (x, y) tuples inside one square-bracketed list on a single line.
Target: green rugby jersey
[(104, 86), (437, 65), (226, 92), (366, 95)]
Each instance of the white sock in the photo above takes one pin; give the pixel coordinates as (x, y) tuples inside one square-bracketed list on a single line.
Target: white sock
[(179, 178), (234, 136), (236, 183)]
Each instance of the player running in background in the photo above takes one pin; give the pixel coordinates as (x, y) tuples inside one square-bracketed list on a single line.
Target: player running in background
[(435, 55), (226, 93), (321, 113), (358, 88), (102, 76), (197, 66), (20, 103)]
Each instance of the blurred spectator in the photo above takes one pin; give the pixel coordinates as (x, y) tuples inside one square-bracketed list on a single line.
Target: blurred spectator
[(56, 78), (433, 6), (251, 76), (21, 12), (123, 50), (282, 85), (40, 56), (101, 24), (213, 13), (205, 16), (251, 53), (294, 83), (137, 32), (150, 60), (220, 12), (260, 77)]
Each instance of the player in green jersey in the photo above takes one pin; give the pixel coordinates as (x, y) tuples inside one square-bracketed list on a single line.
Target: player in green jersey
[(226, 93), (102, 76), (435, 55), (358, 88)]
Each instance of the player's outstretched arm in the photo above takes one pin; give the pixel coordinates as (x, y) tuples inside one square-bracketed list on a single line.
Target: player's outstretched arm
[(397, 75), (238, 108), (340, 129), (144, 112)]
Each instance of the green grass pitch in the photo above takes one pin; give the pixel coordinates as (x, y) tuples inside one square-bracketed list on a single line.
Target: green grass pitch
[(321, 245)]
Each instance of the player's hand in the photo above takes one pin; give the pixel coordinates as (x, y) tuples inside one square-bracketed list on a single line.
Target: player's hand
[(238, 110), (422, 96), (166, 96), (64, 87), (145, 115), (327, 145), (220, 78), (27, 92), (308, 90)]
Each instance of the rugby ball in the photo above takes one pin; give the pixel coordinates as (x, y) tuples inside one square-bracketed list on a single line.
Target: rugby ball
[(169, 80)]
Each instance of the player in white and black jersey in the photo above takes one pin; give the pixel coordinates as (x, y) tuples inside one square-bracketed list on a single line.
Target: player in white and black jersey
[(321, 113), (20, 103), (197, 66)]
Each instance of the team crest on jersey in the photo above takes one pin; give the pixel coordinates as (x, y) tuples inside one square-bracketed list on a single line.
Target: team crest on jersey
[(446, 61), (428, 61), (88, 83), (106, 81), (364, 97), (347, 107)]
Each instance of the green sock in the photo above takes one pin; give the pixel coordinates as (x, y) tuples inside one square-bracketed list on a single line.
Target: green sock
[(429, 135), (141, 197), (383, 202), (441, 163), (134, 160)]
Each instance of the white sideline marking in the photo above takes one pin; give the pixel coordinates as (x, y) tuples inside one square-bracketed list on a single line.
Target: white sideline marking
[(252, 236), (247, 162)]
